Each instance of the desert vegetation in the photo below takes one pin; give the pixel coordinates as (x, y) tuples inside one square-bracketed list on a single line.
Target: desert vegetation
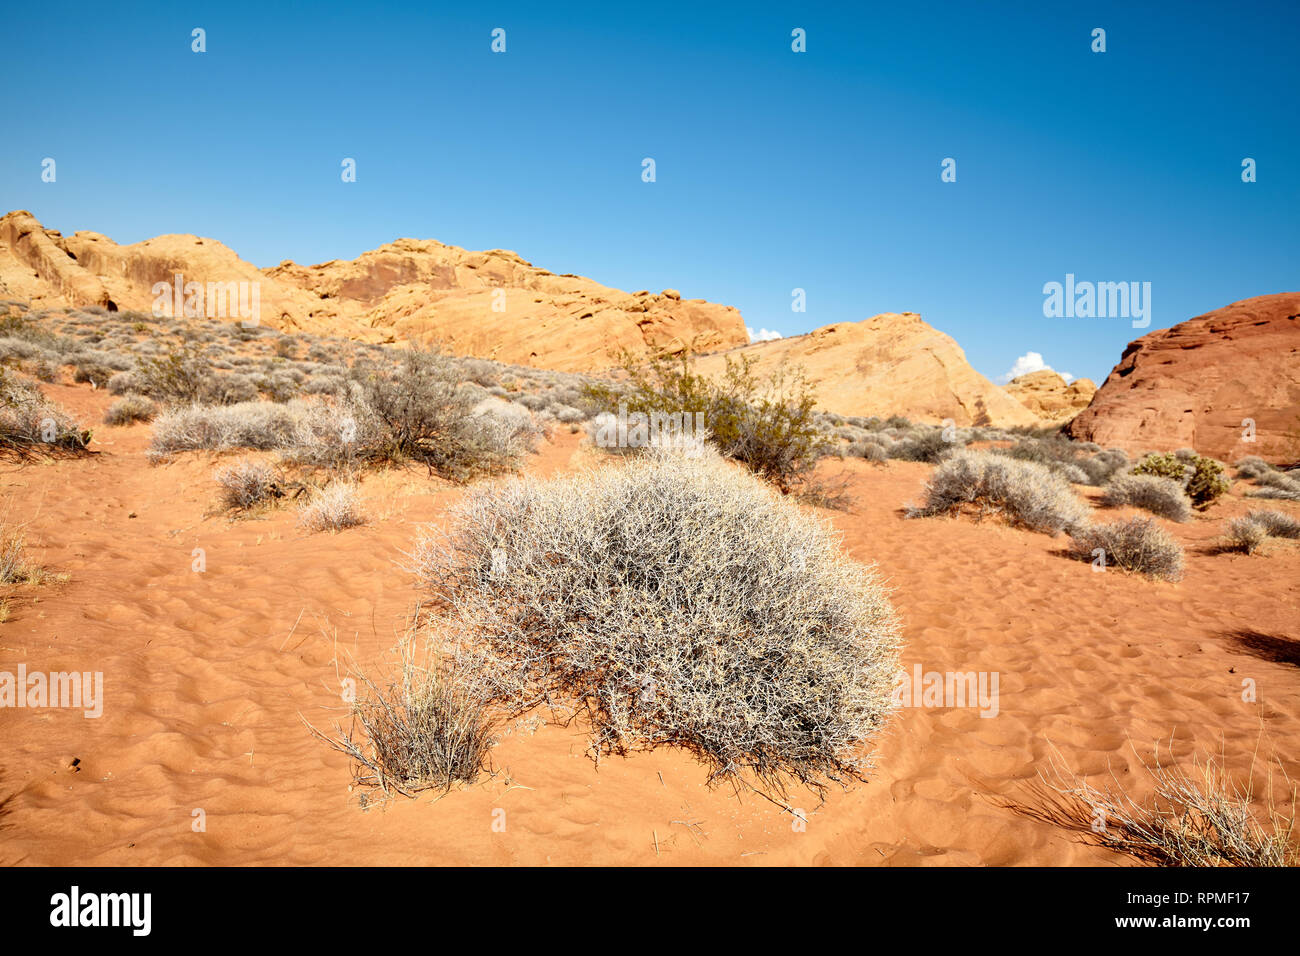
[(1201, 478), (1198, 818), (1138, 544), (1024, 493), (675, 600), (1160, 496)]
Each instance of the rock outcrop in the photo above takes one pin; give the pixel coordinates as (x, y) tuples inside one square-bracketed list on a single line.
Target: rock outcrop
[(1202, 383), (491, 304), (1051, 399), (889, 364)]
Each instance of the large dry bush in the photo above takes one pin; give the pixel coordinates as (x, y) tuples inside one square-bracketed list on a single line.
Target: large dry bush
[(676, 600), (1028, 494), (1160, 496), (420, 410), (1138, 544)]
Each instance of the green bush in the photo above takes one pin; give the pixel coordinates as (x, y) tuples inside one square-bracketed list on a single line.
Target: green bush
[(1202, 478), (768, 425)]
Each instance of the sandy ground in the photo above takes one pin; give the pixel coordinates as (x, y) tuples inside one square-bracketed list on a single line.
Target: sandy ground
[(208, 677)]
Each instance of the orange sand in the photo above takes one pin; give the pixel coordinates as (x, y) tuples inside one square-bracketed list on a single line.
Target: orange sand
[(207, 674)]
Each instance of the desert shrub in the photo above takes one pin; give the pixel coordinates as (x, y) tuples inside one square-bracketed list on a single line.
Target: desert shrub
[(87, 372), (44, 369), (1079, 462), (431, 725), (1205, 822), (335, 507), (1160, 496), (1072, 473), (897, 421), (255, 425), (1245, 535), (1278, 485), (566, 414), (122, 382), (872, 451), (181, 375), (1276, 524), (246, 484), (1253, 466), (13, 549), (676, 600), (30, 422), (768, 425), (1102, 465), (1026, 493), (130, 409), (421, 412), (1138, 544), (1202, 478), (928, 446)]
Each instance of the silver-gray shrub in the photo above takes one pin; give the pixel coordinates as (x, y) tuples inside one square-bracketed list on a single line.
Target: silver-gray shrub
[(1138, 544), (1160, 496), (1026, 493), (675, 599)]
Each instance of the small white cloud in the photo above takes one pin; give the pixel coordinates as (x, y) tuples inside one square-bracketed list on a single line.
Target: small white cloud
[(1031, 362), (762, 335)]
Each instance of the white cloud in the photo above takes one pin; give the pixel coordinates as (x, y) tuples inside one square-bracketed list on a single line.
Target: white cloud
[(762, 335), (1031, 362)]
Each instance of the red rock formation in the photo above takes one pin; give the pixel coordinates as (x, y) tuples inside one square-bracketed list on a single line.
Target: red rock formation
[(1193, 385)]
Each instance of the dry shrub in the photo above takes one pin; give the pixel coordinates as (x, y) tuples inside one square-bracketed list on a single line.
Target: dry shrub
[(1202, 478), (1138, 544), (769, 425), (335, 507), (1279, 485), (1246, 535), (246, 484), (29, 422), (13, 547), (676, 600), (1028, 494), (1252, 466), (1203, 818), (1160, 496), (1276, 524), (130, 409), (432, 725), (421, 411)]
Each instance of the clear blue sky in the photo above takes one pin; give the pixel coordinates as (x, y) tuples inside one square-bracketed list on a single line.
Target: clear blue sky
[(775, 170)]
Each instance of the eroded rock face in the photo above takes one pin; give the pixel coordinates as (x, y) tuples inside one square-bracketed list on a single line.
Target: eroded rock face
[(1051, 399), (1194, 384), (492, 304), (892, 363)]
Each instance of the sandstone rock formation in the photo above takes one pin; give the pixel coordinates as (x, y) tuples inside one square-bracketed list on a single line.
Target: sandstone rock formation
[(1194, 384), (491, 304), (1049, 397), (889, 364)]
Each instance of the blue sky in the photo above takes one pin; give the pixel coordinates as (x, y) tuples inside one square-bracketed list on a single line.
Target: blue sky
[(775, 170)]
